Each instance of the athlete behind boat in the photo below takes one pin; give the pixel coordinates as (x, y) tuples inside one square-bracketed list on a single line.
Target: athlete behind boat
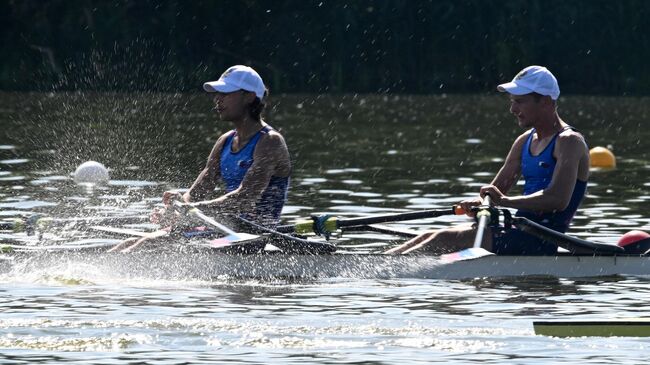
[(251, 161), (553, 159)]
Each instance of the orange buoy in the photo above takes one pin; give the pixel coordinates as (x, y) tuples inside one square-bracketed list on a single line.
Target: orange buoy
[(602, 157), (632, 237)]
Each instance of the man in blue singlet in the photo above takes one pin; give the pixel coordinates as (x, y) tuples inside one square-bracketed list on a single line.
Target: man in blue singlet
[(250, 161), (552, 157)]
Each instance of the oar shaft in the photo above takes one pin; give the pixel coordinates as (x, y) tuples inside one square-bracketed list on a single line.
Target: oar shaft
[(484, 217), (290, 244), (432, 213), (42, 223), (333, 223), (216, 225), (189, 210), (573, 244)]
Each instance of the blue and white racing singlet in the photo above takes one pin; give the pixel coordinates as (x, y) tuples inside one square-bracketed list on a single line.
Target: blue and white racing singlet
[(538, 172), (234, 166)]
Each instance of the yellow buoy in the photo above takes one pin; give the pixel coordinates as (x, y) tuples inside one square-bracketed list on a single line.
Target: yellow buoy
[(602, 157)]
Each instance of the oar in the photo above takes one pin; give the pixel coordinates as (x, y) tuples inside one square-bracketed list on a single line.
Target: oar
[(404, 232), (120, 231), (285, 242), (290, 244), (325, 225), (573, 244), (231, 236), (88, 245), (484, 216), (40, 223)]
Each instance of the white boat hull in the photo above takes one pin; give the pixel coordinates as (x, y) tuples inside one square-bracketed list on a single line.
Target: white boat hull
[(209, 265)]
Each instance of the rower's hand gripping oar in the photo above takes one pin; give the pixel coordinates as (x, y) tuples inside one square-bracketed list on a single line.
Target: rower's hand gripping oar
[(484, 217), (325, 225)]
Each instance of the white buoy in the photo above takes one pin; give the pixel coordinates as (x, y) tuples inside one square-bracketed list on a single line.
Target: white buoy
[(91, 172)]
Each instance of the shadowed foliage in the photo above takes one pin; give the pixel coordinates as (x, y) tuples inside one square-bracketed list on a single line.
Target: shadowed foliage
[(437, 46)]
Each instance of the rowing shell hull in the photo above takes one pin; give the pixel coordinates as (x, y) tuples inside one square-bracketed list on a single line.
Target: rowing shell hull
[(209, 264)]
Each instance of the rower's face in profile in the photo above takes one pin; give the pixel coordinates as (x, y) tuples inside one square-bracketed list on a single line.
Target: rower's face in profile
[(525, 108), (230, 106)]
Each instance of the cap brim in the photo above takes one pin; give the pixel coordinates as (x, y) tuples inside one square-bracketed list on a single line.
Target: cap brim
[(219, 86), (514, 89)]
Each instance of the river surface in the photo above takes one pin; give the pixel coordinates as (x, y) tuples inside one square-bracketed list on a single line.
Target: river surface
[(353, 155)]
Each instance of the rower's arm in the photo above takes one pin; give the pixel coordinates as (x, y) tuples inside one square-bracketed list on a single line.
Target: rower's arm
[(206, 182), (271, 157), (507, 176), (570, 152), (509, 173)]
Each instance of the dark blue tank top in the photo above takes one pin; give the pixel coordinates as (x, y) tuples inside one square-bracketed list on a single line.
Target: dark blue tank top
[(538, 172), (234, 166)]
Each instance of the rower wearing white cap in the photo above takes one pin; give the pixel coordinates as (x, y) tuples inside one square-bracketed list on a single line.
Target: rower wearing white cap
[(251, 161), (551, 156)]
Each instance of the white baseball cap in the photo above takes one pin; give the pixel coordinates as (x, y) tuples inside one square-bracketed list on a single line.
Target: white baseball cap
[(533, 79), (237, 78)]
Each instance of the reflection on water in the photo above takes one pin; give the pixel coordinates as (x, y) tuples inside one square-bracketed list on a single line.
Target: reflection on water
[(353, 155), (403, 320)]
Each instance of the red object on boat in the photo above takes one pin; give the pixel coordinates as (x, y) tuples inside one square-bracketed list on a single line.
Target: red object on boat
[(632, 237)]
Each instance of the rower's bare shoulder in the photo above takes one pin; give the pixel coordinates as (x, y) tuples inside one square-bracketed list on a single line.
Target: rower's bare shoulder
[(572, 139), (571, 145), (572, 133), (272, 133), (272, 150), (222, 138), (218, 146), (272, 140)]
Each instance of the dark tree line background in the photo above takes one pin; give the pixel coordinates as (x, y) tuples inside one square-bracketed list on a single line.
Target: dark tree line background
[(397, 46)]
